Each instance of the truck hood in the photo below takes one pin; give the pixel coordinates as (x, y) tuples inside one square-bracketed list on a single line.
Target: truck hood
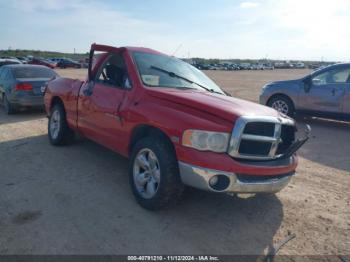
[(225, 107)]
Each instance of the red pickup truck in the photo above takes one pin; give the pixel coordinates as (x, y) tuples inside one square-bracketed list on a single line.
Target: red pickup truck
[(176, 125)]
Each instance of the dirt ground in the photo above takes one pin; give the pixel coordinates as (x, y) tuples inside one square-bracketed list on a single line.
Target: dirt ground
[(76, 199)]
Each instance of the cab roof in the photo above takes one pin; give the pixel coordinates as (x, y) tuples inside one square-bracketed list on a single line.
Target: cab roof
[(143, 49), (107, 48)]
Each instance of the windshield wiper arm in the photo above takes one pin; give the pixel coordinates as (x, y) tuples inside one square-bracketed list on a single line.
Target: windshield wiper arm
[(172, 74)]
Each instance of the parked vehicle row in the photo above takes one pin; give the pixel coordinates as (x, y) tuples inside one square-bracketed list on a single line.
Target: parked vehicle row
[(51, 63), (232, 66), (251, 66)]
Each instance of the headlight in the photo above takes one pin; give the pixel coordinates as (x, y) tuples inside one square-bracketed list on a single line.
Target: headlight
[(206, 140)]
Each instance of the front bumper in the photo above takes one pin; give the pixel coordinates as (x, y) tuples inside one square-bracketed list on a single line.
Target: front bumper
[(200, 178)]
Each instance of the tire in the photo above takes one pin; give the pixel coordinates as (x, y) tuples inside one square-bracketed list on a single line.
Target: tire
[(282, 104), (58, 130), (9, 108), (161, 187)]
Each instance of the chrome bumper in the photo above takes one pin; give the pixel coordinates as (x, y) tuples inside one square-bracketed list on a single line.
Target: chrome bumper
[(199, 177)]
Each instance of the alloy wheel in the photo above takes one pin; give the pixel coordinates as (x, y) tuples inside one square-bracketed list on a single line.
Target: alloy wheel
[(146, 173), (55, 124), (280, 106)]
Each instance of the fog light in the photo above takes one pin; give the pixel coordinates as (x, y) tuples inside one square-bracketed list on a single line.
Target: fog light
[(213, 180), (219, 182)]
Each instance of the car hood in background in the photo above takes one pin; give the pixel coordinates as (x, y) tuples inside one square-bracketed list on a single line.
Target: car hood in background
[(286, 82)]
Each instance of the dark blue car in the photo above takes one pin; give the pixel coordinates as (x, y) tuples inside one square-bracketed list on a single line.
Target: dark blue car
[(23, 86)]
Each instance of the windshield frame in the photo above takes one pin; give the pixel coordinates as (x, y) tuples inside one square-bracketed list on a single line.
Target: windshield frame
[(218, 89)]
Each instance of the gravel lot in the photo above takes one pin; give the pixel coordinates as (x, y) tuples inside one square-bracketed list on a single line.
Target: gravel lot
[(76, 199)]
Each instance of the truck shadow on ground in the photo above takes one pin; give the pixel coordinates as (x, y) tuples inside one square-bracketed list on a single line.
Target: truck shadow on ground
[(329, 142), (21, 116), (86, 206)]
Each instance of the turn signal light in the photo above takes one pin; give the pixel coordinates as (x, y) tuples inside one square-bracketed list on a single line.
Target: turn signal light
[(24, 87)]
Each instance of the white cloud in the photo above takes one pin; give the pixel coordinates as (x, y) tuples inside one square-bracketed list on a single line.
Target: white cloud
[(249, 5), (288, 29), (322, 25), (64, 25)]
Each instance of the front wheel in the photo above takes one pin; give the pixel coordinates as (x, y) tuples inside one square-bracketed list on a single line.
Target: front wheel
[(58, 130), (282, 104), (154, 174)]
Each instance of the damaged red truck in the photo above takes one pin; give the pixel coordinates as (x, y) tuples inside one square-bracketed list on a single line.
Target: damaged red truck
[(177, 127)]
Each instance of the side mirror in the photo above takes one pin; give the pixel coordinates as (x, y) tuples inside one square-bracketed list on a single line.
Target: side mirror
[(307, 84), (89, 89), (91, 56)]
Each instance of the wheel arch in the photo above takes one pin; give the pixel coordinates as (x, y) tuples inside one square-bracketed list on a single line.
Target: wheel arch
[(146, 130), (56, 100)]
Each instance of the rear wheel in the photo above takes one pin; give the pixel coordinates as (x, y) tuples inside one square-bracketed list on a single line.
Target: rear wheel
[(154, 174), (9, 108), (282, 104), (58, 130)]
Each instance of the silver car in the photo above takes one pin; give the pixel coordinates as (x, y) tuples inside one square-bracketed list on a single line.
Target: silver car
[(325, 92)]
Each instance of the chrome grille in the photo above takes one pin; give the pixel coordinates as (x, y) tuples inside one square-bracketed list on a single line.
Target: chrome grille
[(261, 138)]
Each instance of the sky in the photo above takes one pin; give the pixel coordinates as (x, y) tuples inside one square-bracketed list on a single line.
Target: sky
[(273, 29)]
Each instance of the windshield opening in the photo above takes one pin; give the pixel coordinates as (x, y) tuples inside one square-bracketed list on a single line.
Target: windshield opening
[(174, 73)]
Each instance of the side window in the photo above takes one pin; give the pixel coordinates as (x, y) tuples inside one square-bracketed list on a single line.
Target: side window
[(335, 76), (113, 72), (341, 76)]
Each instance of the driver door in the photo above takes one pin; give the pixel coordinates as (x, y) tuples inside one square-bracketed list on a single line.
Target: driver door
[(327, 91), (98, 116)]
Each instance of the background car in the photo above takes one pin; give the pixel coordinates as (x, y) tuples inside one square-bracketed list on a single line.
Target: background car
[(23, 60), (268, 67), (325, 92), (22, 86), (245, 66), (65, 63), (42, 61), (5, 61)]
